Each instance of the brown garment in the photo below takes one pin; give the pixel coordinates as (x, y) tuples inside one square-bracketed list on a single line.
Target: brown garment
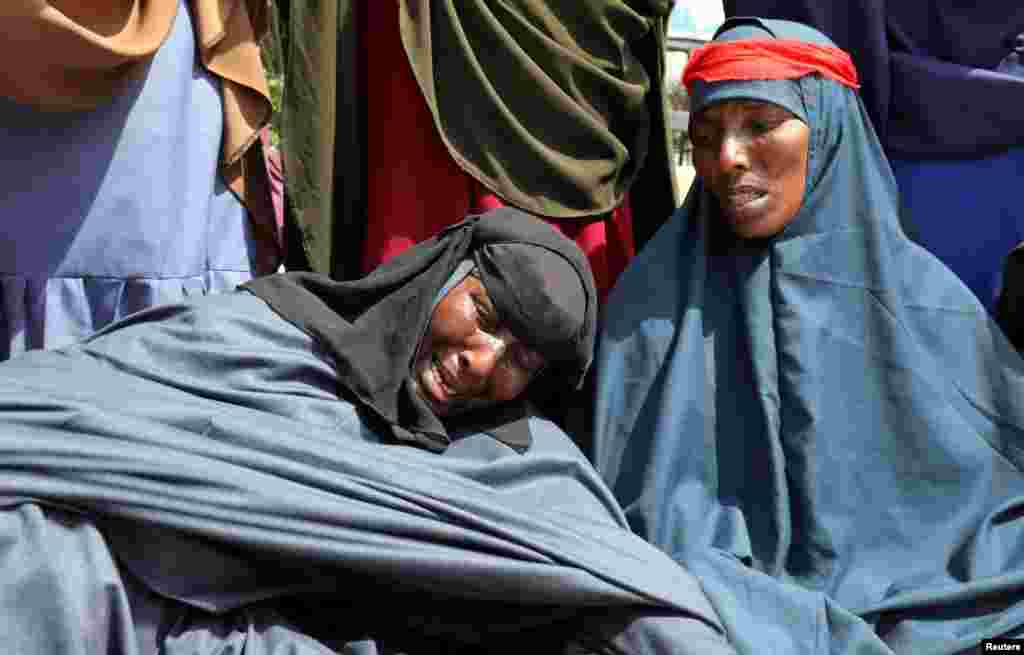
[(74, 55), (557, 107), (544, 102)]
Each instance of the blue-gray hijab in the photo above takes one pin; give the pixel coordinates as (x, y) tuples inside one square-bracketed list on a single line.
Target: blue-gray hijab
[(825, 426)]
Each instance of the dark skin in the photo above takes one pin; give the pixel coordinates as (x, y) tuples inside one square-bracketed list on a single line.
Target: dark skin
[(752, 157), (468, 359)]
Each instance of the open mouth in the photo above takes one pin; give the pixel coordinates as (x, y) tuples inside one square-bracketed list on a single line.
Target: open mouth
[(440, 376), (743, 204), (742, 196)]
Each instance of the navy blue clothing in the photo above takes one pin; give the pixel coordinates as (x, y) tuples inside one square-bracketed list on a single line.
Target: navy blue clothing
[(943, 84), (937, 76)]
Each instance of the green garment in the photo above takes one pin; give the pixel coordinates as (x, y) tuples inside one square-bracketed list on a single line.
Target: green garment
[(556, 106)]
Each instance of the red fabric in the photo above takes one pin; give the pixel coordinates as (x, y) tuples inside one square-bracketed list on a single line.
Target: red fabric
[(768, 59), (275, 175), (415, 188)]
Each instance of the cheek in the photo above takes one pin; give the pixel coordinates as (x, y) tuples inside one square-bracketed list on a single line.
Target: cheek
[(795, 184), (787, 167), (508, 384), (792, 183)]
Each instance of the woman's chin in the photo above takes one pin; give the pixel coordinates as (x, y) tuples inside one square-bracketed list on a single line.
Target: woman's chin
[(750, 232), (754, 226)]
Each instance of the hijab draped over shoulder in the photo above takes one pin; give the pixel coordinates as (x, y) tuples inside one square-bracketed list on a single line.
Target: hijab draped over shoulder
[(539, 281), (830, 407)]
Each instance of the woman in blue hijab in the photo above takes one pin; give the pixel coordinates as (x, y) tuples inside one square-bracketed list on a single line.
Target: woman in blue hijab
[(797, 402)]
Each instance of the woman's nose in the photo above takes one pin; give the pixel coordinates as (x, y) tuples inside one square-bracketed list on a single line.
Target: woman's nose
[(732, 153), (479, 360)]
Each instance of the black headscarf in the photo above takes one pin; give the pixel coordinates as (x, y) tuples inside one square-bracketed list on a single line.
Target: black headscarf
[(540, 284)]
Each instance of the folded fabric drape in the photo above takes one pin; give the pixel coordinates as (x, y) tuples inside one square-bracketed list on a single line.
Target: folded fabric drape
[(73, 55)]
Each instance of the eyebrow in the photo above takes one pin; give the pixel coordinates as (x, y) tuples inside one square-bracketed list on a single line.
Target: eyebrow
[(758, 106)]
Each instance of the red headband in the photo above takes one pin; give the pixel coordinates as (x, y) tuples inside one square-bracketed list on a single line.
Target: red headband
[(768, 59)]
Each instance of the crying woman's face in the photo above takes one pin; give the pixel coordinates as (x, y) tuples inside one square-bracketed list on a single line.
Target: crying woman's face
[(468, 358)]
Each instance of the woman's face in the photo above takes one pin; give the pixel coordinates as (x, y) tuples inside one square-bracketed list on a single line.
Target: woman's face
[(752, 156), (468, 359)]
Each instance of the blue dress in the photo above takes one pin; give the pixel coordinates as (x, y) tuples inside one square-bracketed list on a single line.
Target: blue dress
[(825, 427), (114, 210)]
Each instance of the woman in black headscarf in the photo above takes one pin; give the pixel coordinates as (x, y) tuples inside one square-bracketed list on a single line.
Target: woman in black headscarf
[(319, 466), (527, 288)]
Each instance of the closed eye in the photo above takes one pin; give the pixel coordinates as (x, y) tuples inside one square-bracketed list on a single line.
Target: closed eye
[(486, 317)]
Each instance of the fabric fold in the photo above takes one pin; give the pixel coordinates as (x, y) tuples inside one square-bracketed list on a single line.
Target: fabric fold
[(835, 385), (83, 55), (243, 490)]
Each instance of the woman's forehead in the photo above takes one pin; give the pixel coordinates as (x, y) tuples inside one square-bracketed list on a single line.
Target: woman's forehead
[(742, 107), (788, 94)]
